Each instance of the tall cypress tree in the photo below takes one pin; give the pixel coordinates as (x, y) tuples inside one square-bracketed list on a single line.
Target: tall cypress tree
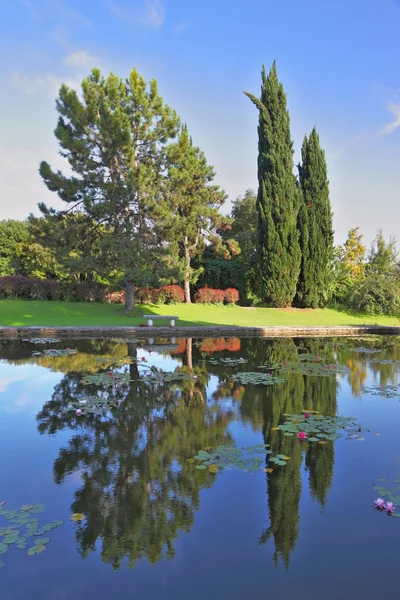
[(315, 226), (278, 197)]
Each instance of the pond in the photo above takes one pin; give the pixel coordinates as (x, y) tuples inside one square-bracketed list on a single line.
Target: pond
[(199, 468)]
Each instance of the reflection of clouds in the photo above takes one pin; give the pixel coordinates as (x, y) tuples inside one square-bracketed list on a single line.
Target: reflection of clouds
[(24, 388)]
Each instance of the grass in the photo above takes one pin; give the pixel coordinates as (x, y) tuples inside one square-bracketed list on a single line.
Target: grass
[(25, 313)]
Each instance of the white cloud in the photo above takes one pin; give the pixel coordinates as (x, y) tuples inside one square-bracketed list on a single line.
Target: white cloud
[(54, 10), (81, 58), (21, 187), (30, 85), (179, 27), (48, 83), (394, 108), (152, 15)]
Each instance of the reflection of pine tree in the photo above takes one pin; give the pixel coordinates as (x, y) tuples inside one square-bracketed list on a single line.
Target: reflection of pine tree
[(138, 490)]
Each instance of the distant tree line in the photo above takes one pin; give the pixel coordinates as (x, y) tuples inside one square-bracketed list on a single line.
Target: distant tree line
[(142, 209)]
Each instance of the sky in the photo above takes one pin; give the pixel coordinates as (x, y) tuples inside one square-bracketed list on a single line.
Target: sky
[(338, 61)]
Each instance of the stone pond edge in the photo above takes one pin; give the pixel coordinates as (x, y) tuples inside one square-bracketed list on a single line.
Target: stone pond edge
[(15, 332)]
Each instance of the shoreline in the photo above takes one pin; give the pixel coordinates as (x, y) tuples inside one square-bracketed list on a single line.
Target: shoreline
[(15, 332)]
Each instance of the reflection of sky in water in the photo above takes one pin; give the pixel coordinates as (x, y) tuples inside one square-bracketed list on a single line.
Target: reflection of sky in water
[(24, 388), (343, 547)]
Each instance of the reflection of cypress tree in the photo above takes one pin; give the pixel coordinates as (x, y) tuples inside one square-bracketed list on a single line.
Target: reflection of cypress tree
[(320, 462), (284, 489), (299, 392), (138, 490), (320, 395)]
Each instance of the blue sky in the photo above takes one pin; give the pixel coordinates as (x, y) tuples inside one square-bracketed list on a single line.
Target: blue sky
[(338, 61)]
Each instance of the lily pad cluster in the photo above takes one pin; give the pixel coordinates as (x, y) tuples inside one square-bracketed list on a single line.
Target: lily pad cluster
[(389, 391), (41, 340), (228, 362), (21, 526), (90, 405), (388, 497), (363, 350), (248, 459), (306, 364), (56, 352), (314, 427), (109, 378), (257, 378)]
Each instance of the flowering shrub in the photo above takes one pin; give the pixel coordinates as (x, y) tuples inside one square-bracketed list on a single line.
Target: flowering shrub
[(208, 295), (168, 294), (231, 296), (174, 294)]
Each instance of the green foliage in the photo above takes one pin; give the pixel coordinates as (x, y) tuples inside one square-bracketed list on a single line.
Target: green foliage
[(278, 198), (315, 227), (189, 206), (382, 258), (12, 234), (375, 295), (355, 251)]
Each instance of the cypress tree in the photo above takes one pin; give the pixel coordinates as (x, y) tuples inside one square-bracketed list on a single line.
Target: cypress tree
[(278, 196), (315, 226)]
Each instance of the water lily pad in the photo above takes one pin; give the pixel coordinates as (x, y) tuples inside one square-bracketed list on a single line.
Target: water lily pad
[(36, 550), (313, 439), (3, 548), (42, 541), (26, 507), (78, 516)]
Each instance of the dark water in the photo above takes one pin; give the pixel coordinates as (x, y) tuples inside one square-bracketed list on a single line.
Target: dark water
[(157, 527)]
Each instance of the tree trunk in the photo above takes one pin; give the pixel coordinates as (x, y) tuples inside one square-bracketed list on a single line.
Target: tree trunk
[(189, 355), (187, 272), (129, 295)]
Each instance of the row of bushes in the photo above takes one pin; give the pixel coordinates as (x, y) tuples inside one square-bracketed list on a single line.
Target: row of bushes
[(208, 295), (27, 288)]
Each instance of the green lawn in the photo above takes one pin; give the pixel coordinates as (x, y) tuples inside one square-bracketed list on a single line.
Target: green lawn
[(21, 312)]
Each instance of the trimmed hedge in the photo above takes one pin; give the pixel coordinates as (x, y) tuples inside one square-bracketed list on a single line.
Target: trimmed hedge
[(208, 295), (28, 288)]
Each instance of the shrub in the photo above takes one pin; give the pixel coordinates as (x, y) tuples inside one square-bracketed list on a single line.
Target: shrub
[(29, 288), (145, 295), (173, 294), (231, 296), (377, 295), (207, 295), (115, 297)]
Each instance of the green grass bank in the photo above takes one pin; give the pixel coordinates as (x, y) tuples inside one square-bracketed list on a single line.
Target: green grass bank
[(31, 313)]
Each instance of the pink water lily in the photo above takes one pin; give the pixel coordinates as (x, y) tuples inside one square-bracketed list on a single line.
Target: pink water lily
[(302, 435), (78, 412), (307, 415), (379, 503), (389, 507)]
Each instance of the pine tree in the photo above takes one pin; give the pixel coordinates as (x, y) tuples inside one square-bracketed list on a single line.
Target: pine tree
[(278, 197), (114, 138), (315, 226)]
